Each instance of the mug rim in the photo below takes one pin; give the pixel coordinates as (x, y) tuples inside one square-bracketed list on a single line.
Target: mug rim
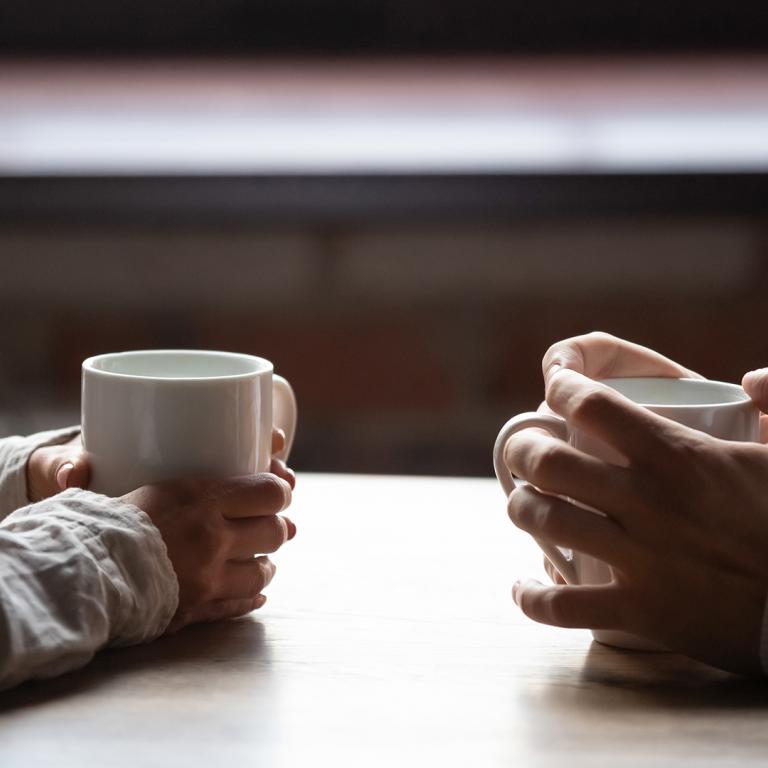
[(89, 365), (743, 400)]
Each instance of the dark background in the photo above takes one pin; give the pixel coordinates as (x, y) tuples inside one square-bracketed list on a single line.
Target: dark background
[(380, 26), (410, 313)]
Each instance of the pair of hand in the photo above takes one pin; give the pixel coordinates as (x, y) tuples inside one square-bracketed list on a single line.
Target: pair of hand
[(212, 528), (686, 526)]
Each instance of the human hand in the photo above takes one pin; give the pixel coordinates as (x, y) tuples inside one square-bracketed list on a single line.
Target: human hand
[(755, 384), (212, 528), (600, 355), (685, 532), (54, 468)]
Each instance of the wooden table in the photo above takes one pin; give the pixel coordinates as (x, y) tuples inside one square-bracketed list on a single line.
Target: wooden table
[(389, 639)]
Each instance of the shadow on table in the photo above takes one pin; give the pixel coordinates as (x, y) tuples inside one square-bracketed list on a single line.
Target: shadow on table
[(665, 680), (192, 651)]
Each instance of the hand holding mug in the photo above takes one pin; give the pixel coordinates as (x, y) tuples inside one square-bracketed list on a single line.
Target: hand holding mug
[(684, 524), (600, 355), (212, 528), (186, 436)]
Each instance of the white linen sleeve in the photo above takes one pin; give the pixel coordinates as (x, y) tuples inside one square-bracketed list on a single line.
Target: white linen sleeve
[(14, 452), (78, 572)]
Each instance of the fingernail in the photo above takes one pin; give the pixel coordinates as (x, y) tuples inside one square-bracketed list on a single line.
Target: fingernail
[(291, 528), (516, 592), (63, 473), (258, 601)]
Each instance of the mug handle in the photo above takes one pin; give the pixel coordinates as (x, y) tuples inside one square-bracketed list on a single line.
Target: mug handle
[(557, 428), (284, 412)]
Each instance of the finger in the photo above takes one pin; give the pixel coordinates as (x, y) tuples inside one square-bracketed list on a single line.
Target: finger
[(279, 468), (278, 440), (559, 468), (595, 408), (598, 606), (755, 384), (216, 610), (246, 578), (552, 572), (264, 494), (544, 408), (600, 356), (52, 469), (259, 535), (566, 525)]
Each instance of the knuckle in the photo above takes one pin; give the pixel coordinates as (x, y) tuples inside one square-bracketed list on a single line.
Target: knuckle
[(258, 582), (594, 404), (275, 536), (200, 585), (271, 491), (547, 463), (599, 337), (692, 447), (537, 514), (180, 492), (690, 464), (515, 504), (530, 605), (280, 532), (555, 606), (523, 508), (208, 536), (545, 519), (219, 549), (761, 387), (267, 572)]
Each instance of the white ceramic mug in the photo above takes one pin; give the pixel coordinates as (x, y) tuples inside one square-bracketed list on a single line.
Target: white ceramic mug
[(158, 414), (717, 408)]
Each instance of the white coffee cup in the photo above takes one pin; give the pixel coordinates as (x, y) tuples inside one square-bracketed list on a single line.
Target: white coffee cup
[(720, 409), (158, 414)]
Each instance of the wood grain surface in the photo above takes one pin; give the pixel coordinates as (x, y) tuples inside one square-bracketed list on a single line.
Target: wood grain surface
[(389, 639)]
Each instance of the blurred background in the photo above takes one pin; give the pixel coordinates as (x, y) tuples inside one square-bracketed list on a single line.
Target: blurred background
[(402, 204)]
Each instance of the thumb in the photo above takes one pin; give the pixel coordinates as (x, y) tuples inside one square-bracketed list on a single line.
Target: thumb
[(755, 384), (52, 469)]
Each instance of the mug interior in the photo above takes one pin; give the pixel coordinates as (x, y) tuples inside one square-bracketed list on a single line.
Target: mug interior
[(177, 364), (655, 392)]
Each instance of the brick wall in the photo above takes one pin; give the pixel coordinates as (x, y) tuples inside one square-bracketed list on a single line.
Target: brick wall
[(408, 347)]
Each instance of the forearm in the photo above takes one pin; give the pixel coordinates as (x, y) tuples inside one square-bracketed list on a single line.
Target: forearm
[(78, 572), (14, 454)]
